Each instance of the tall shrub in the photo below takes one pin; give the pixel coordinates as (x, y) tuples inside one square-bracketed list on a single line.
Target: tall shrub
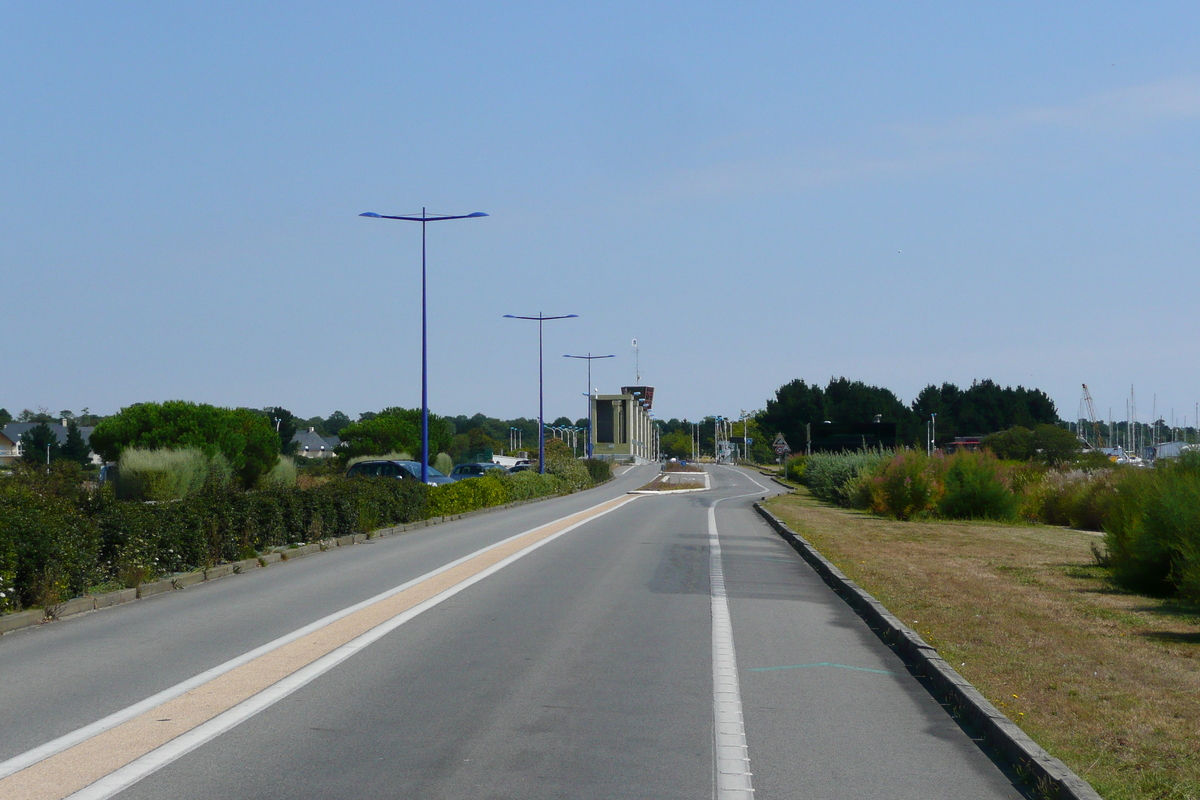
[(1153, 529), (793, 468), (828, 475), (904, 487), (282, 474), (560, 462), (598, 469), (160, 474), (245, 439), (975, 488)]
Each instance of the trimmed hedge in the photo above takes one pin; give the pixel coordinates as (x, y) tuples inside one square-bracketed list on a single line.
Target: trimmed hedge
[(58, 542)]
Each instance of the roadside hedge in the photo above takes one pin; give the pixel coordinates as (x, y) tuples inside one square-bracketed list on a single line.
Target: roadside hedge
[(58, 541)]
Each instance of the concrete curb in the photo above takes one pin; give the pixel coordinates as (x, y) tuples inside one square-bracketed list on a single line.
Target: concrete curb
[(1051, 777), (181, 580)]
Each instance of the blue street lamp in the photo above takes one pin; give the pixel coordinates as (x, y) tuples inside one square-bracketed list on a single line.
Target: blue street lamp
[(541, 396), (424, 218), (590, 358)]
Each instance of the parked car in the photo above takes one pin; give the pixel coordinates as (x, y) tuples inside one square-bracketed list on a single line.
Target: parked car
[(403, 470), (520, 467), (436, 476), (463, 471)]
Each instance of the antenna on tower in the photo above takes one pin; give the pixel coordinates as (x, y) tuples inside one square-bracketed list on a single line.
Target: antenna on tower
[(637, 364)]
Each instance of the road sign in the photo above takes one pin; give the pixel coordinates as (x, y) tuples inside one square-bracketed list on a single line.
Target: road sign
[(780, 445)]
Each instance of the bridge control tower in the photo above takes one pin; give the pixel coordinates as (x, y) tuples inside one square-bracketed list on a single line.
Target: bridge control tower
[(623, 430)]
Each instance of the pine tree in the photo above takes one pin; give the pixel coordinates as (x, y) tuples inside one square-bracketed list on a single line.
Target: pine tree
[(75, 448)]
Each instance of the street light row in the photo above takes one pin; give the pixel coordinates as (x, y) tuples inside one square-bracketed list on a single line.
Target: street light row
[(424, 218)]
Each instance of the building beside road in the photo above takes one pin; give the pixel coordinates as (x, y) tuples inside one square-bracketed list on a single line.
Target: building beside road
[(310, 444), (622, 429)]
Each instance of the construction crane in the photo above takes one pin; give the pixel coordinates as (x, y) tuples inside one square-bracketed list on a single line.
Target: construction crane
[(1091, 412)]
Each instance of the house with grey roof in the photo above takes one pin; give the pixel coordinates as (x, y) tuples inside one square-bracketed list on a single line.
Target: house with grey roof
[(10, 439), (310, 444)]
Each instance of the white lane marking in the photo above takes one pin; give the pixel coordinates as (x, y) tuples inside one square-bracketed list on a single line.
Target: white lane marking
[(139, 768), (731, 759), (747, 477), (66, 741)]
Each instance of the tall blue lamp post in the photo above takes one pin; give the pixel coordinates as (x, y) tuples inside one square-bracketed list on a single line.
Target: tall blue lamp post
[(590, 358), (424, 218), (541, 396)]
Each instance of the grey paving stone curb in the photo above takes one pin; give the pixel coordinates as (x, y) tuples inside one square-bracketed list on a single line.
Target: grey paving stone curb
[(1050, 776), (181, 580)]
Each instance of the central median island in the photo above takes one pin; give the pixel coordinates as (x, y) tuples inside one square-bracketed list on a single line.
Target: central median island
[(678, 477)]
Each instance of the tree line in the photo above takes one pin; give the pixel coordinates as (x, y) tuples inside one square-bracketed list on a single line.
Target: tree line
[(982, 408)]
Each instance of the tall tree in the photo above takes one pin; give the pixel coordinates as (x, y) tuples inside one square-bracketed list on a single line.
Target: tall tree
[(395, 430), (795, 405), (335, 422), (39, 445), (244, 437), (5, 417), (75, 449), (285, 424)]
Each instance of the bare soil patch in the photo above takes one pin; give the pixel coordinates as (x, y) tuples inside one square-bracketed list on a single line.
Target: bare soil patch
[(1106, 680)]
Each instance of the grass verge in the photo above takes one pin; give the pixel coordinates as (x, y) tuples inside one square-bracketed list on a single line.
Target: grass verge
[(1106, 680)]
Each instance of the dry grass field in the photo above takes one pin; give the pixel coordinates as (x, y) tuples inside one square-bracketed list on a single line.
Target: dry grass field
[(1105, 680)]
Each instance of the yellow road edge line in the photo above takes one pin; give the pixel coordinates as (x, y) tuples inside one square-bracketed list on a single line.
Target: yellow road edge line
[(81, 765)]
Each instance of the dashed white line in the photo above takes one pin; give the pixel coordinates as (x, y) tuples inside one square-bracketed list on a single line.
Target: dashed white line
[(731, 759)]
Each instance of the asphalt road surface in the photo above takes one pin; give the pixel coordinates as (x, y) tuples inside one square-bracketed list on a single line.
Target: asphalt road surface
[(601, 645)]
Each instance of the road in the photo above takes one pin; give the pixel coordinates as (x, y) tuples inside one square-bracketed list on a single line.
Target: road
[(650, 647)]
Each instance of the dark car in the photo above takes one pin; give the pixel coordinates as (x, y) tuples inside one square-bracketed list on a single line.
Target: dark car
[(403, 470), (436, 476), (463, 471)]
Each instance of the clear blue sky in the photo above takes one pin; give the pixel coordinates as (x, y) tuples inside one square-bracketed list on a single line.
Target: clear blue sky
[(901, 194)]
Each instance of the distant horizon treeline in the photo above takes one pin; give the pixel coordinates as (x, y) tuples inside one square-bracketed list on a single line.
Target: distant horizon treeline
[(982, 408)]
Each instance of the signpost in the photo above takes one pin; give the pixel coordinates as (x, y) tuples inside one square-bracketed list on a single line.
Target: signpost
[(780, 446)]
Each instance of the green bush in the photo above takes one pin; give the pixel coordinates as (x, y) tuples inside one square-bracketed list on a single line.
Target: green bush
[(529, 484), (599, 469), (793, 468), (160, 474), (282, 474), (468, 495), (49, 548), (828, 475), (1092, 501), (1152, 530), (907, 486), (1073, 497), (975, 488), (561, 463), (247, 440)]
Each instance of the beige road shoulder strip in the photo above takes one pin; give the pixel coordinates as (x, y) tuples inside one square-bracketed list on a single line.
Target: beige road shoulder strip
[(69, 770)]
